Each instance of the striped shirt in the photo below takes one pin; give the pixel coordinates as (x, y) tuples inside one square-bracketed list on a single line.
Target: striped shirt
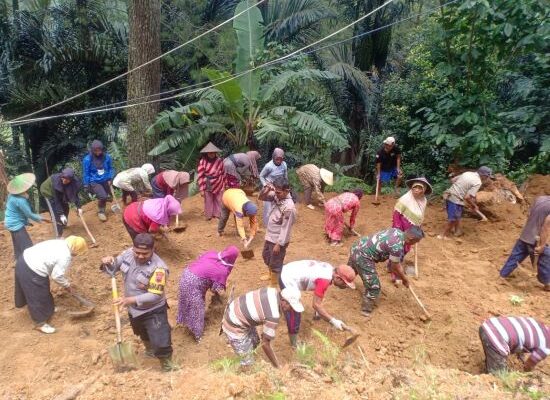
[(211, 175), (510, 335), (258, 307)]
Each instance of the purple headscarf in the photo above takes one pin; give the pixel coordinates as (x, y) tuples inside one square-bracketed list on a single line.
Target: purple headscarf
[(97, 161), (215, 266), (160, 210)]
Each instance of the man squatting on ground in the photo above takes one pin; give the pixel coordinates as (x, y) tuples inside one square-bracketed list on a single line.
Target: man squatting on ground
[(145, 275)]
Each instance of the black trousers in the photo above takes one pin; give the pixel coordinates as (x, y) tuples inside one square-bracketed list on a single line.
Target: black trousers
[(153, 327), (33, 290), (274, 261), (21, 241), (130, 230)]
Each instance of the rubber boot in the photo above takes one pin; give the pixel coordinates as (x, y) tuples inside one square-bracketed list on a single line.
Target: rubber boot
[(367, 306), (149, 352), (293, 340), (167, 365), (273, 279)]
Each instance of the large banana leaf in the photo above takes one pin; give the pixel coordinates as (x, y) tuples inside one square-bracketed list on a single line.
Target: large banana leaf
[(249, 29), (231, 89)]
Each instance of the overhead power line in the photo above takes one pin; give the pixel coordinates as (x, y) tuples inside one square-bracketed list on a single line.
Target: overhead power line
[(219, 81), (138, 67)]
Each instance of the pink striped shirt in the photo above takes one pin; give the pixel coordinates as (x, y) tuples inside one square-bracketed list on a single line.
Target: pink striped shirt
[(509, 335)]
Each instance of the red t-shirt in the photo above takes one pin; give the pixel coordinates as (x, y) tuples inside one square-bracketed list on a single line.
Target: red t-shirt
[(137, 220), (321, 286)]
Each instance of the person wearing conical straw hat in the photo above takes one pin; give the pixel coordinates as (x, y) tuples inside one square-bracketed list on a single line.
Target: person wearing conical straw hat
[(39, 263), (210, 176), (314, 179), (18, 212)]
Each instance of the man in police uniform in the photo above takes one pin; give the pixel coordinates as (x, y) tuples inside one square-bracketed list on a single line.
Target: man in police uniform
[(145, 276)]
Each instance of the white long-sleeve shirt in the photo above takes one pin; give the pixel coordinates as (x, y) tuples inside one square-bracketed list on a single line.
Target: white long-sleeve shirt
[(50, 258)]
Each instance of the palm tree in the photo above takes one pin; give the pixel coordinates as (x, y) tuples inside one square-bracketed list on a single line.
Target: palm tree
[(254, 107)]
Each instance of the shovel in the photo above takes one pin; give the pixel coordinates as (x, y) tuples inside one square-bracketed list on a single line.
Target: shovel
[(94, 243), (178, 228), (482, 216), (86, 303), (115, 207), (52, 215), (352, 338), (247, 253), (376, 202), (122, 355)]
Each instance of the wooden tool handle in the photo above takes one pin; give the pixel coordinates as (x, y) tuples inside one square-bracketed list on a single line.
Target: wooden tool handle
[(115, 307), (86, 227), (377, 188), (416, 260), (177, 220), (483, 217), (419, 302)]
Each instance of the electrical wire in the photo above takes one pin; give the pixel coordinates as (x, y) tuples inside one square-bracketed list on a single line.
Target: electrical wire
[(215, 82), (138, 67)]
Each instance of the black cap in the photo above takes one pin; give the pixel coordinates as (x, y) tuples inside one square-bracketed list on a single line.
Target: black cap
[(144, 241)]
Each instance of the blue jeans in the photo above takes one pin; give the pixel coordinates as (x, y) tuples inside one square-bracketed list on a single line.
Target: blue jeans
[(519, 253)]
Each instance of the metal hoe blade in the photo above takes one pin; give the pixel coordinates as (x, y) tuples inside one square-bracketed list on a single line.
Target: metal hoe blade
[(247, 254)]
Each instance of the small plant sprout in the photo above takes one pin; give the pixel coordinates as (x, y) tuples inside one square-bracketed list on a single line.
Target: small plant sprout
[(516, 300)]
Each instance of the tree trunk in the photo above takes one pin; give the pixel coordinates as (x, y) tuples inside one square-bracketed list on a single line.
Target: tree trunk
[(144, 45)]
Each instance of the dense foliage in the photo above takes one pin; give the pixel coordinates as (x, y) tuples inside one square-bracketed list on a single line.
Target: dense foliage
[(467, 82)]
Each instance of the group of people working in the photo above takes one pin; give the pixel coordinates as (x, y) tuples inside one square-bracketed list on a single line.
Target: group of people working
[(221, 183)]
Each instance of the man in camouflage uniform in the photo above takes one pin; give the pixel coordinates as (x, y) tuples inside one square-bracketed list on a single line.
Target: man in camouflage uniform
[(379, 247), (145, 276)]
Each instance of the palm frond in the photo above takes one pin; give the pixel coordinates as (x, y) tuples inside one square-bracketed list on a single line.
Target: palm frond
[(196, 132), (291, 19), (312, 124), (281, 82)]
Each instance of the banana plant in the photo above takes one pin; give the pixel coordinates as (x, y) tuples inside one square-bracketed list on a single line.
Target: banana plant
[(246, 108)]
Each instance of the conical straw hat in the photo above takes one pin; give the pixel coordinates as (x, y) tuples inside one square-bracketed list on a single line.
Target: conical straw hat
[(21, 183), (327, 176), (210, 148)]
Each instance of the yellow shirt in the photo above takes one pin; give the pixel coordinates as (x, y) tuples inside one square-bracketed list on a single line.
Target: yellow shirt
[(233, 200)]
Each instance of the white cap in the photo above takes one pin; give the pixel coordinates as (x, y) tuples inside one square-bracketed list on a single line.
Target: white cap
[(149, 168), (292, 295), (389, 140)]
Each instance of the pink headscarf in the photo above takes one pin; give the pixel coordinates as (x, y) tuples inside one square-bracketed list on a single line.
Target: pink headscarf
[(253, 156), (179, 181), (160, 210), (215, 266)]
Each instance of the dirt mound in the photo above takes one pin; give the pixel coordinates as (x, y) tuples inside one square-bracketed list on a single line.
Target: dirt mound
[(537, 185), (458, 284)]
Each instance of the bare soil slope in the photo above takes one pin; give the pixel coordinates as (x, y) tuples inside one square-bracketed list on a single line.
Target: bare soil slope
[(403, 357)]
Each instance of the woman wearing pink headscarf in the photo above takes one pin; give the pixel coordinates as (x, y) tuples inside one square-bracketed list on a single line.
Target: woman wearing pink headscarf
[(171, 182), (150, 215), (209, 271)]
